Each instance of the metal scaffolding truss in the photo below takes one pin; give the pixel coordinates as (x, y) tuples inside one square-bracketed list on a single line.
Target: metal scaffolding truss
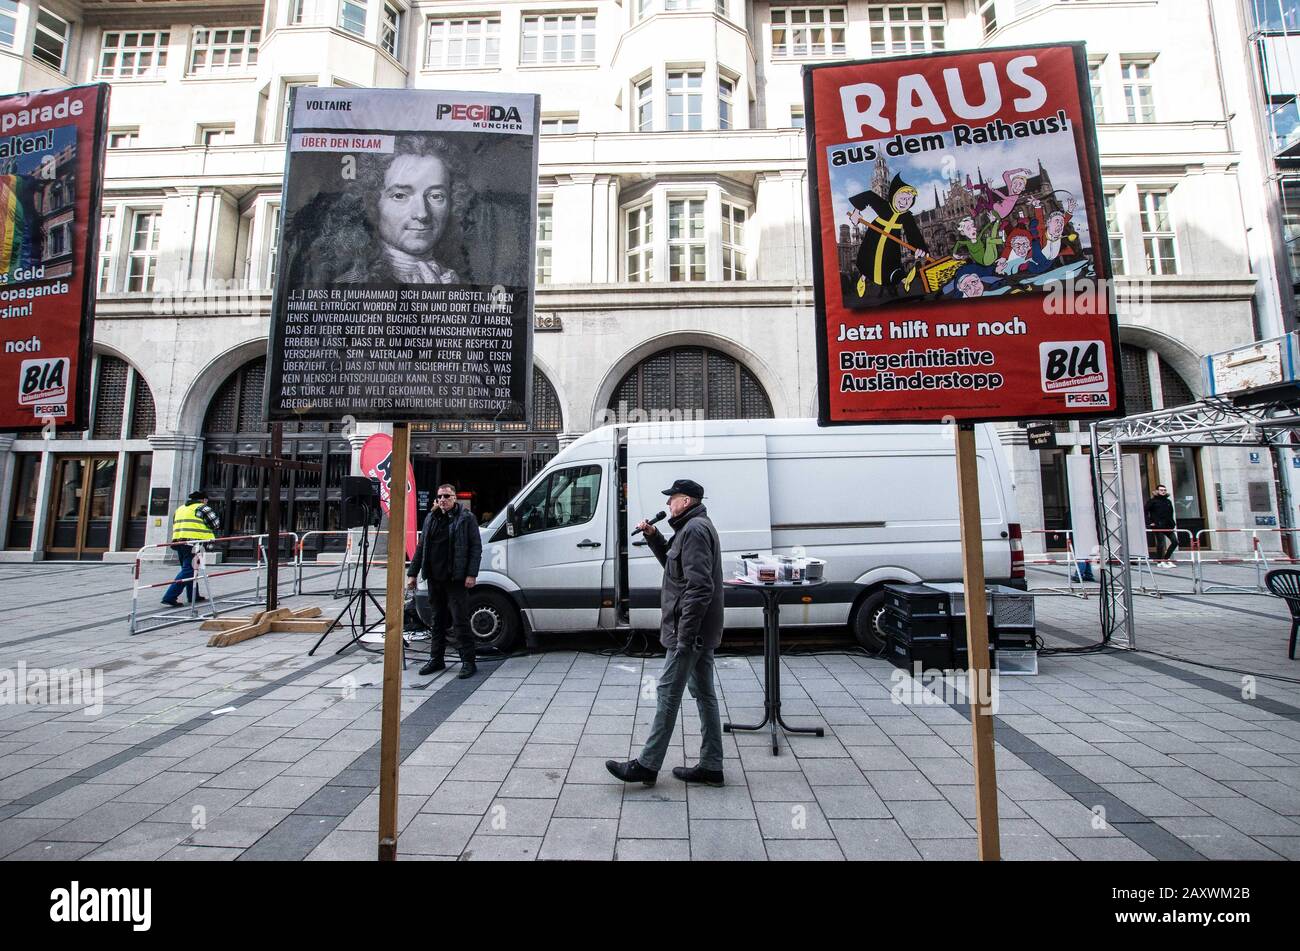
[(1210, 422)]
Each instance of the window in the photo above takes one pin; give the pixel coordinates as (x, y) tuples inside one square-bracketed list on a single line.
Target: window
[(1096, 85), (58, 240), (698, 381), (390, 30), (1138, 96), (1115, 234), (553, 40), (645, 107), (123, 138), (107, 238), (143, 266), (285, 107), (132, 55), (1158, 233), (352, 16), (50, 45), (807, 31), (733, 243), (726, 97), (8, 22), (796, 117), (640, 244), (686, 248), (223, 51), (988, 16), (545, 235), (305, 12), (560, 125), (906, 29), (463, 44), (217, 135), (272, 242), (685, 101), (566, 497), (717, 6)]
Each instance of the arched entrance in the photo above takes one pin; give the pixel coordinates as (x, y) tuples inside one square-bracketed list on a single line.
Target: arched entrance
[(309, 501), (693, 383), (488, 462)]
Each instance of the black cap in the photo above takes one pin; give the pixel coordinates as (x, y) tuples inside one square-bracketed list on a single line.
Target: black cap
[(198, 496), (686, 487)]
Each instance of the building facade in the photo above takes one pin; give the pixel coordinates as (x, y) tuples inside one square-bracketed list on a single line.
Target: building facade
[(674, 258)]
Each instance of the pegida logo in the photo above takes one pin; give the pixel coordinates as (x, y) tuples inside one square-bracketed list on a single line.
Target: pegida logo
[(133, 905), (1073, 366), (478, 112), (43, 381)]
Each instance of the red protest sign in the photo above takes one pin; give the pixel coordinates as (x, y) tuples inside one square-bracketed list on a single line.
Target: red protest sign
[(377, 463), (960, 252), (51, 162)]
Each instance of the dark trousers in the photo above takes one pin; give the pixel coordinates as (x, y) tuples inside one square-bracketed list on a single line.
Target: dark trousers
[(449, 602), (1165, 536), (181, 581)]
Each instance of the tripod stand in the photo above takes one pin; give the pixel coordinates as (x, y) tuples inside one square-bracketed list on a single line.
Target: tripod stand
[(357, 602)]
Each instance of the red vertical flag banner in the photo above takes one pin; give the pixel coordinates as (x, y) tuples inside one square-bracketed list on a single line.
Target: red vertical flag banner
[(51, 163), (377, 463), (960, 252)]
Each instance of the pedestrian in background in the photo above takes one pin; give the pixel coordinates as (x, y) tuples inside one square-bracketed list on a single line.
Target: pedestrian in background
[(1160, 519), (195, 521)]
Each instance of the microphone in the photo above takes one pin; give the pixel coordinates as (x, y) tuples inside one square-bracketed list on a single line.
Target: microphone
[(659, 517)]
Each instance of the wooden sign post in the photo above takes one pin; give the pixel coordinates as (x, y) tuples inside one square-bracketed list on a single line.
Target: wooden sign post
[(391, 708), (980, 684)]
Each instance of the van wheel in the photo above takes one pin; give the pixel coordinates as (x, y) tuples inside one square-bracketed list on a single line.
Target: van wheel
[(865, 622), (493, 620)]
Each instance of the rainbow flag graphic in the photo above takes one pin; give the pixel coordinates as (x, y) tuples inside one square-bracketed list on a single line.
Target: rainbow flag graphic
[(18, 234)]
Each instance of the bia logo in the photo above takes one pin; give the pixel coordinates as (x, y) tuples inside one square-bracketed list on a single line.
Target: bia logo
[(43, 381), (1073, 366)]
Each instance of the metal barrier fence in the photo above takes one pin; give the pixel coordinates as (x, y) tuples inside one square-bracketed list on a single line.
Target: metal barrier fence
[(200, 607), (1074, 580), (1257, 559), (325, 568)]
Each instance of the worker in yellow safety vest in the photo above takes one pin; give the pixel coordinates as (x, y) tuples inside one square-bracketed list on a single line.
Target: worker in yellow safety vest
[(194, 522)]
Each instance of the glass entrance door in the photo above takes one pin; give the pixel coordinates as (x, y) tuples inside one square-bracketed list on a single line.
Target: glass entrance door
[(81, 519)]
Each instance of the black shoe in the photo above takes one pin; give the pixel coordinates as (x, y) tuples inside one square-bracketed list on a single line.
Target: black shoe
[(632, 772), (171, 604), (467, 671), (433, 666), (698, 774)]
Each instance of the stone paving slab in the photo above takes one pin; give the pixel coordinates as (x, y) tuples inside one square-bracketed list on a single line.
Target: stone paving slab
[(1101, 757)]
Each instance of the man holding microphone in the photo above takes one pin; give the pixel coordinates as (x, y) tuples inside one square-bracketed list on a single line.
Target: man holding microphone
[(691, 604)]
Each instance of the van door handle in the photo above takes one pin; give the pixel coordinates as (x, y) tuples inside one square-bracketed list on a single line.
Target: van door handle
[(588, 543)]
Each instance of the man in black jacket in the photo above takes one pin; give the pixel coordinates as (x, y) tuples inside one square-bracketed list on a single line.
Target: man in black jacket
[(1160, 519), (448, 554), (690, 627)]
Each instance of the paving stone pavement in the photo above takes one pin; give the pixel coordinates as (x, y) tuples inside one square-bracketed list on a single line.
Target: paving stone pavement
[(259, 751)]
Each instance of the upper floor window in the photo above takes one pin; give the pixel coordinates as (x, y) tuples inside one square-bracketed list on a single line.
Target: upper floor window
[(640, 244), (686, 245), (559, 125), (1115, 234), (796, 117), (8, 22), (352, 16), (272, 241), (464, 44), (223, 51), (50, 45), (213, 135), (390, 30), (558, 39), (717, 6), (726, 102), (123, 138), (129, 55), (913, 28), (988, 16), (733, 243), (1158, 240), (1097, 85), (545, 235), (685, 100), (645, 105), (1139, 97), (107, 244), (142, 269), (807, 31)]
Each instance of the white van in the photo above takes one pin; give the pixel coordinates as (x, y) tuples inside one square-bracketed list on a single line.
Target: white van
[(878, 503)]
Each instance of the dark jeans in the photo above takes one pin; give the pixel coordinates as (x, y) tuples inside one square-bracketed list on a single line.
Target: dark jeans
[(449, 602), (682, 669), (182, 582), (1169, 536)]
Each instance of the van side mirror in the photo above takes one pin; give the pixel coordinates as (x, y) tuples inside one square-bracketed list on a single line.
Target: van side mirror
[(511, 530)]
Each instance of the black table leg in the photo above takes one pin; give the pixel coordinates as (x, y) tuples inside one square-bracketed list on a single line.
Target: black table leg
[(728, 727), (776, 678)]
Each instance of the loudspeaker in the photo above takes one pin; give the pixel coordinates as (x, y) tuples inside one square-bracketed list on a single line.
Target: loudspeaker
[(360, 502)]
